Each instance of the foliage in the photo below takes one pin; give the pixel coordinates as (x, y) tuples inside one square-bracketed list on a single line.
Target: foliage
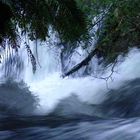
[(120, 30), (119, 21), (33, 18), (120, 25)]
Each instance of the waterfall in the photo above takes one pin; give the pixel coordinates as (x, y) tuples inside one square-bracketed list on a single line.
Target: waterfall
[(48, 85), (50, 88)]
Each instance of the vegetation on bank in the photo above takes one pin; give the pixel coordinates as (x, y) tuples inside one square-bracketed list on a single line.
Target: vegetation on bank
[(118, 24), (118, 32)]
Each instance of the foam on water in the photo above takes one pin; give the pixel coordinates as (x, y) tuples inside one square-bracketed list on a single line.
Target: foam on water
[(48, 85)]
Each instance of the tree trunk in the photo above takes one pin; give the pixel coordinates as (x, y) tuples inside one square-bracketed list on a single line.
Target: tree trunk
[(82, 63)]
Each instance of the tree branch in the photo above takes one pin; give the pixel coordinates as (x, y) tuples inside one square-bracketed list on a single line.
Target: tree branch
[(82, 63)]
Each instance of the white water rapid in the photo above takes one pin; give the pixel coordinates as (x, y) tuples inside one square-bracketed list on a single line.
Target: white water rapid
[(48, 85), (56, 108)]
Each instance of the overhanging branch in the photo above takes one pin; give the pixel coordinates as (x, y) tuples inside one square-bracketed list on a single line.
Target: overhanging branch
[(82, 63)]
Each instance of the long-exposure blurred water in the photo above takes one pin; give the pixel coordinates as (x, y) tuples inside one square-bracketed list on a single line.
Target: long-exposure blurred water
[(45, 106)]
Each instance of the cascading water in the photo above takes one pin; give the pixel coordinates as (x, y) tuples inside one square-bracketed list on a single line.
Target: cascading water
[(51, 107), (51, 88)]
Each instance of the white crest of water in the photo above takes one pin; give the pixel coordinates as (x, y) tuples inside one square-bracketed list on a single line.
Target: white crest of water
[(48, 85), (51, 88)]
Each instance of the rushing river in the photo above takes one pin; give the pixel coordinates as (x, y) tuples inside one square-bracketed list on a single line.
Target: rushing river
[(45, 106)]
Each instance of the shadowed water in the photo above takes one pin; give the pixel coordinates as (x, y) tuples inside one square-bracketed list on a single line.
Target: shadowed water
[(116, 118), (52, 108)]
